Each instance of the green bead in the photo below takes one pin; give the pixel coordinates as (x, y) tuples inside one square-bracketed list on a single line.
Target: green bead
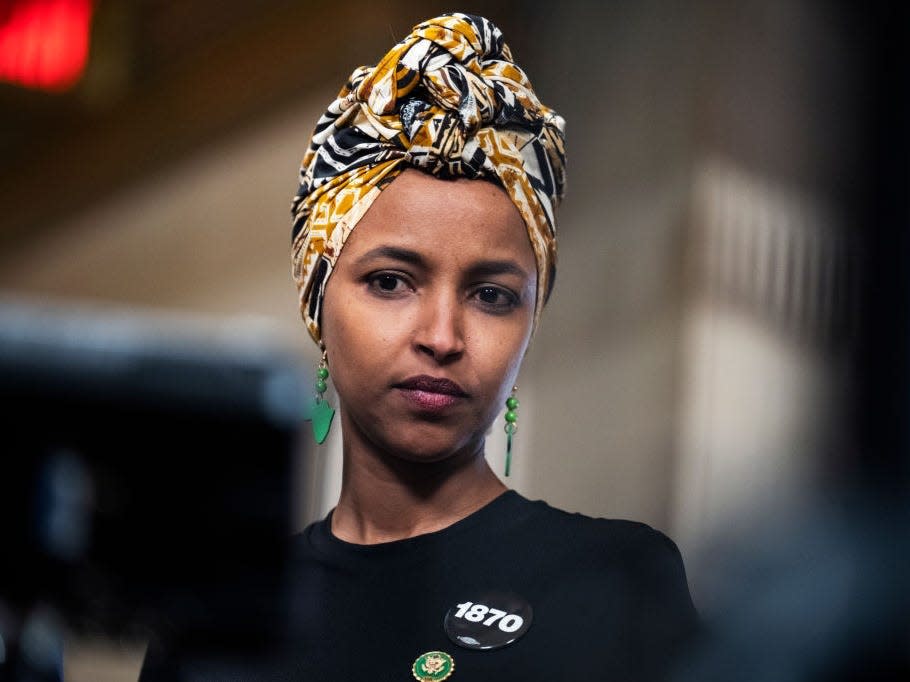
[(321, 386), (511, 417), (511, 402), (322, 373), (510, 428)]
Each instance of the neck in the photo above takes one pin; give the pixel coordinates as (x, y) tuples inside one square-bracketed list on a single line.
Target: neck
[(386, 498)]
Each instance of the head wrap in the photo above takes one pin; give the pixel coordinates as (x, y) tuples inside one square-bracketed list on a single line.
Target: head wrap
[(449, 100)]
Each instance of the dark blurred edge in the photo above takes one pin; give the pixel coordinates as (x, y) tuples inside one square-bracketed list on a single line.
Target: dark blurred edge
[(883, 405), (819, 593), (146, 483)]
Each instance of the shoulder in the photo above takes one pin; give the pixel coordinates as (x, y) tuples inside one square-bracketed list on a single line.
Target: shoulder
[(629, 537), (629, 550)]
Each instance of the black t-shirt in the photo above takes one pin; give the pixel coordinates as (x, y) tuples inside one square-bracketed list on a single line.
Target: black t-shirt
[(608, 601)]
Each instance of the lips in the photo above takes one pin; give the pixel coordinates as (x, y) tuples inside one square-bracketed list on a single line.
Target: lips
[(433, 385), (431, 394)]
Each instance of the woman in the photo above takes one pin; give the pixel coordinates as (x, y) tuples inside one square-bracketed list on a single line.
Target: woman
[(424, 251)]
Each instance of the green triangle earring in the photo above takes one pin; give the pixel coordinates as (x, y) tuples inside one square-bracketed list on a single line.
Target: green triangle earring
[(321, 412), (511, 426)]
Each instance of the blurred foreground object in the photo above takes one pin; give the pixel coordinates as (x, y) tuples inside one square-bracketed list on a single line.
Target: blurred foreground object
[(146, 484), (815, 594), (815, 589)]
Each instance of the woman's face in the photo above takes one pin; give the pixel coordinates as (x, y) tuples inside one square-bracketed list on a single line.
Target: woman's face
[(428, 314)]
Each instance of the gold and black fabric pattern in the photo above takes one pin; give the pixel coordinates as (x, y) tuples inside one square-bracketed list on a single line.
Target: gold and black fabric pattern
[(449, 100)]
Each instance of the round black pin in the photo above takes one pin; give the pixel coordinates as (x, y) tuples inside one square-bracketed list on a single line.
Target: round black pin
[(488, 621)]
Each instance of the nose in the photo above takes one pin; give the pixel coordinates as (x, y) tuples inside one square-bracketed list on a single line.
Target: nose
[(440, 332)]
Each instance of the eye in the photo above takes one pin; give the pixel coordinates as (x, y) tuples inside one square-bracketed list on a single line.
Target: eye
[(496, 299), (386, 283)]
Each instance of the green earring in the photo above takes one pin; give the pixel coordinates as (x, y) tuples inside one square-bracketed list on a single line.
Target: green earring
[(321, 412), (511, 426)]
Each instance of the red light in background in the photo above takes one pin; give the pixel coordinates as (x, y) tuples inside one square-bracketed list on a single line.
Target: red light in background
[(44, 43)]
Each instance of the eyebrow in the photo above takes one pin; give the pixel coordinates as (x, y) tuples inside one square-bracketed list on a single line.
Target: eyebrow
[(498, 267), (479, 269), (394, 253)]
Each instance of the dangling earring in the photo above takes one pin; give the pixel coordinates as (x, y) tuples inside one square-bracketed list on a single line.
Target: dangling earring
[(511, 426), (321, 412)]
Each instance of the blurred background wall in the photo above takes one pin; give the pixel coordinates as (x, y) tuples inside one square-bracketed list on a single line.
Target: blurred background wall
[(696, 353), (691, 350)]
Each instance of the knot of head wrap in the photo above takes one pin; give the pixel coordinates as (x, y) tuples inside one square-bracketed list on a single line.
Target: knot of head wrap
[(449, 100)]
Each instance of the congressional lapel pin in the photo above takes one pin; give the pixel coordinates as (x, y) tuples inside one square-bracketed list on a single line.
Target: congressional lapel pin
[(488, 621), (433, 666)]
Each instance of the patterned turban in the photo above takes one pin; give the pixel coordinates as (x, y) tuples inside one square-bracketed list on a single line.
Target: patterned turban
[(449, 100)]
